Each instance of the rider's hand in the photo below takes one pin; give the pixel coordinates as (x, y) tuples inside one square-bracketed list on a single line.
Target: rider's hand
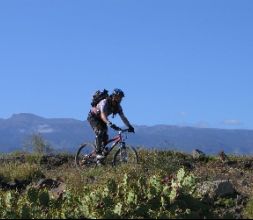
[(116, 128), (131, 129)]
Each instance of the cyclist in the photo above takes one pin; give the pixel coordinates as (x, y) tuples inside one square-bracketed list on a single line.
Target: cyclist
[(98, 119)]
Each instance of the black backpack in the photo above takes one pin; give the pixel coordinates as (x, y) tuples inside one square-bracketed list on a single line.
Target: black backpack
[(98, 96)]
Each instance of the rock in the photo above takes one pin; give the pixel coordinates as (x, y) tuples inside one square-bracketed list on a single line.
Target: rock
[(213, 190), (247, 164), (57, 193), (56, 187), (54, 161), (14, 185), (223, 157), (198, 154), (47, 183)]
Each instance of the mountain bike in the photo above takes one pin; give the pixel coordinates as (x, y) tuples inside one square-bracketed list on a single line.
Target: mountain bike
[(118, 153)]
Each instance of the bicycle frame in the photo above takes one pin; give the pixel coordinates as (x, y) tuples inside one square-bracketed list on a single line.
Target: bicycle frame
[(117, 139), (88, 158)]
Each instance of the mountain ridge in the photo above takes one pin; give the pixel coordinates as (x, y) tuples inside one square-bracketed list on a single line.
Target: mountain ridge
[(31, 115), (68, 134)]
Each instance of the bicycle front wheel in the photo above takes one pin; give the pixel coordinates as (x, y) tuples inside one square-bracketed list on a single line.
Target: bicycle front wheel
[(125, 155), (86, 156)]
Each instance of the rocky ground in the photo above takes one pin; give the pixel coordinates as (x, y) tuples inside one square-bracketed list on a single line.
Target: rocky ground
[(228, 181), (225, 183)]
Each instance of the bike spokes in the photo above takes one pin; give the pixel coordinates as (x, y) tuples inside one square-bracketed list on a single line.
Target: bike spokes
[(125, 155), (86, 156)]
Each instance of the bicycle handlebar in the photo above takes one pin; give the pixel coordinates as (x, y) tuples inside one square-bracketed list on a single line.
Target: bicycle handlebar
[(120, 130), (123, 130)]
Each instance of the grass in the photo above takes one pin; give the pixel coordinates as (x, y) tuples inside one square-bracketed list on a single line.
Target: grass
[(16, 171), (161, 163)]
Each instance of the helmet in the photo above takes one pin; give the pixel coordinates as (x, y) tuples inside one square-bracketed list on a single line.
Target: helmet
[(118, 92)]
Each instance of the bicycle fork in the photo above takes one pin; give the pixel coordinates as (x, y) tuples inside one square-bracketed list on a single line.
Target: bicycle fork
[(123, 152)]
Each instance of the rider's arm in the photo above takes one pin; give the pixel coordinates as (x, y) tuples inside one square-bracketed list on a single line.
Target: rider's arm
[(105, 118), (124, 118)]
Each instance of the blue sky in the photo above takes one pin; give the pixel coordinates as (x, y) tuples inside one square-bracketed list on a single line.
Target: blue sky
[(187, 63)]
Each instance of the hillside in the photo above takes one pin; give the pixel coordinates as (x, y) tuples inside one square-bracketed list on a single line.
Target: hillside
[(165, 184), (68, 134)]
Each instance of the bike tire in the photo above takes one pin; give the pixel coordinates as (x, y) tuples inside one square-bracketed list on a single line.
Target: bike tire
[(126, 155), (86, 156)]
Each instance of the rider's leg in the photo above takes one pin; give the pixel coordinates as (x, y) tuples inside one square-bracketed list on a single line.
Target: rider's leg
[(101, 136), (99, 141), (105, 141), (97, 126), (100, 129)]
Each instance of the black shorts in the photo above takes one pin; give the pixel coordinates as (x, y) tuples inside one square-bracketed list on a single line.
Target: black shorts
[(96, 123)]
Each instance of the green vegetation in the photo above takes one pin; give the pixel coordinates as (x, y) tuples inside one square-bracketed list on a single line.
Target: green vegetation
[(38, 145), (163, 185), (248, 212), (129, 198), (14, 171)]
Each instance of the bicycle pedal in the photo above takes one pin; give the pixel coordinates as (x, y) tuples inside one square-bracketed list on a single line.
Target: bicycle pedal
[(100, 156)]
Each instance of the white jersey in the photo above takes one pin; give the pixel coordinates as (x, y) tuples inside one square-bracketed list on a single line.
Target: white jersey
[(104, 106)]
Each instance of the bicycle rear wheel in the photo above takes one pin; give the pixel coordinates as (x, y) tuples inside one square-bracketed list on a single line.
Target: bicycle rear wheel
[(126, 155), (86, 156)]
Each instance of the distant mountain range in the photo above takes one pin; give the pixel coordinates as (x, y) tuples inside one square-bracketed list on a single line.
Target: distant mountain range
[(67, 134)]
